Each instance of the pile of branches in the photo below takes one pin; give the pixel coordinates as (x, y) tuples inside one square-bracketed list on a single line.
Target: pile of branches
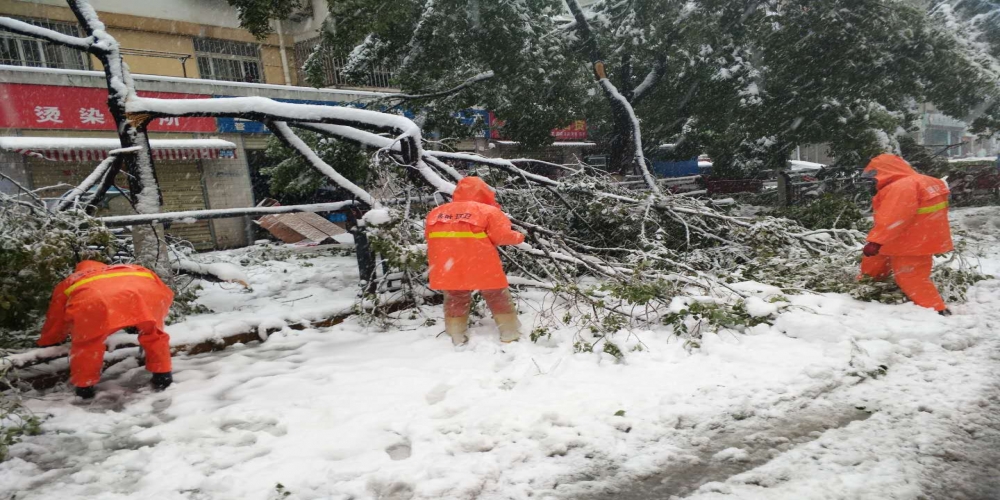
[(634, 246)]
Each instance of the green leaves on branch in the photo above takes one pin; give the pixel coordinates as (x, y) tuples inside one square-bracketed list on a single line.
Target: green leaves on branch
[(37, 251), (293, 180)]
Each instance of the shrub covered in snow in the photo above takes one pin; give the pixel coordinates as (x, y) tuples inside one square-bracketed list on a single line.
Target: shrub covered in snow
[(829, 210), (38, 249), (293, 180)]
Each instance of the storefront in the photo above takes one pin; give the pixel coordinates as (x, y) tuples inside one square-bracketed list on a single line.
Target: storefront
[(55, 128)]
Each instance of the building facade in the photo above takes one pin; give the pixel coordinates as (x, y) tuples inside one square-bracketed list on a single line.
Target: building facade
[(55, 126)]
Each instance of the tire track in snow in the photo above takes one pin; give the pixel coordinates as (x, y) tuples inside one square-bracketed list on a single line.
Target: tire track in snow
[(738, 447)]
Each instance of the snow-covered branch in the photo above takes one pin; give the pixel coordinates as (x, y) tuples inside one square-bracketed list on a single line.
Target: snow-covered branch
[(652, 78), (288, 137), (486, 75), (221, 213), (98, 174), (621, 107), (26, 29)]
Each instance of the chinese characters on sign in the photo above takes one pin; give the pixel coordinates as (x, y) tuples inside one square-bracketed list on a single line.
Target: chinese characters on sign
[(575, 131), (91, 116), (81, 108), (47, 114)]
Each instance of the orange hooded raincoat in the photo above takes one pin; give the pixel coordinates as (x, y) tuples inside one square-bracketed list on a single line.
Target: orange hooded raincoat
[(98, 300), (462, 237), (911, 224)]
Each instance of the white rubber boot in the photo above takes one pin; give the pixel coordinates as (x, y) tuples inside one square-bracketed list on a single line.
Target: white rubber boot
[(509, 326), (456, 328)]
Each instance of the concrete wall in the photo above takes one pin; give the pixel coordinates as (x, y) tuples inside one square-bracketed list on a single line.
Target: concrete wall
[(13, 165), (227, 185), (214, 12), (165, 26)]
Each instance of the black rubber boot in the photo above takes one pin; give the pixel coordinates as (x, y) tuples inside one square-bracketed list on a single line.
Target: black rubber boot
[(86, 392), (945, 312), (161, 381)]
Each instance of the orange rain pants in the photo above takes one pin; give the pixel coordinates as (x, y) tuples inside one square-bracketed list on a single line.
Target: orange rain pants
[(912, 274), (86, 359), (457, 302)]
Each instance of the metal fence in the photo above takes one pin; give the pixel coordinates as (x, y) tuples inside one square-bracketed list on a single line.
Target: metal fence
[(857, 188), (333, 69)]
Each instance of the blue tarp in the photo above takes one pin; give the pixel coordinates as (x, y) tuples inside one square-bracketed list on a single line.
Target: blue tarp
[(676, 168)]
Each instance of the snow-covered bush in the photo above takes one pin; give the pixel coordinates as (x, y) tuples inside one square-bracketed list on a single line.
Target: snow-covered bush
[(293, 180), (828, 211), (15, 419), (38, 249)]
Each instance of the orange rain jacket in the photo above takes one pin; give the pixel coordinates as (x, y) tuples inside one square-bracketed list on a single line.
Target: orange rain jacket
[(98, 300), (462, 237), (911, 210)]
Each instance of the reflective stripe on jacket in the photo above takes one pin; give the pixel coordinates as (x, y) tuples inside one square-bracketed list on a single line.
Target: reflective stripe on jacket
[(911, 210), (462, 237), (100, 300)]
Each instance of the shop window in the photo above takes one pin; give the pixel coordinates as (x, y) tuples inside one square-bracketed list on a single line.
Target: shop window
[(18, 50), (228, 60)]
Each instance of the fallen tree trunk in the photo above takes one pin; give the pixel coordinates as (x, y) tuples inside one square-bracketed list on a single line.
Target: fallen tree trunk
[(45, 379), (221, 213)]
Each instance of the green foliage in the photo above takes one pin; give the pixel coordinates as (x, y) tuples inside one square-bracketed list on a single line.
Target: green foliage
[(185, 304), (829, 211), (540, 332), (37, 251), (15, 420), (257, 254), (296, 181), (256, 15), (613, 349), (738, 81)]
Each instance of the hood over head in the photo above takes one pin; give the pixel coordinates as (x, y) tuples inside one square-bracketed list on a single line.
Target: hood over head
[(89, 265), (474, 189), (888, 169)]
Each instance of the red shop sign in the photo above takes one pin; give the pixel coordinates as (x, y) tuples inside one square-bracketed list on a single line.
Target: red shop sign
[(574, 131), (80, 108)]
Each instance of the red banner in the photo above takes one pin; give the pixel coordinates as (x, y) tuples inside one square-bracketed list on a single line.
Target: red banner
[(573, 132), (80, 108)]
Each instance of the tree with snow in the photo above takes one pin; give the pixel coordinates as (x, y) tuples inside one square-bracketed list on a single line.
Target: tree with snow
[(745, 82)]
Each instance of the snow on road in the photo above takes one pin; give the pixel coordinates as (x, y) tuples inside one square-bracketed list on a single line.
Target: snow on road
[(354, 412)]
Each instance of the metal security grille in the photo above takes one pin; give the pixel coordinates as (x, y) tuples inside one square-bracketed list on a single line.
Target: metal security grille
[(228, 60), (19, 50), (333, 74)]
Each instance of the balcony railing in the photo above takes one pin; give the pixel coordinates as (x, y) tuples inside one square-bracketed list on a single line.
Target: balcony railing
[(333, 74)]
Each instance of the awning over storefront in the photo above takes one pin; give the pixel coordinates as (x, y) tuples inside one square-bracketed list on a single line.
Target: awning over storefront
[(83, 149)]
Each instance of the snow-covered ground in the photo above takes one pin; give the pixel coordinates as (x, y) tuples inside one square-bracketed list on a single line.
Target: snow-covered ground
[(354, 412)]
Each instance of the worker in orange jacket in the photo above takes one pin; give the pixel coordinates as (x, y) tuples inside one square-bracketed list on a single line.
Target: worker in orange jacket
[(462, 239), (98, 300), (911, 226)]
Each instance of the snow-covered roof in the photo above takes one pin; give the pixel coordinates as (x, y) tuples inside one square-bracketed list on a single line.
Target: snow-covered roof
[(94, 149), (975, 159), (804, 166), (175, 79), (794, 165), (67, 143)]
